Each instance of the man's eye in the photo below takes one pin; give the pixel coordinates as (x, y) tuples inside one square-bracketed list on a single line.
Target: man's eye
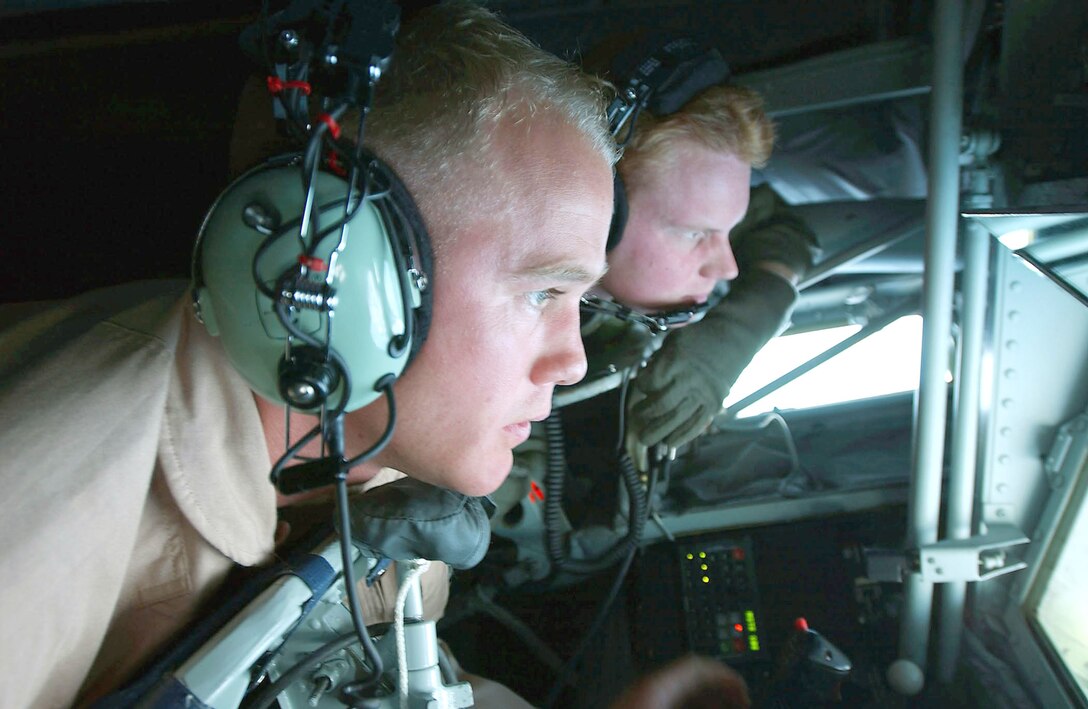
[(540, 298), (694, 235)]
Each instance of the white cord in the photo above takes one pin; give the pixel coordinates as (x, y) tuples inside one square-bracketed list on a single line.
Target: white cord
[(418, 566)]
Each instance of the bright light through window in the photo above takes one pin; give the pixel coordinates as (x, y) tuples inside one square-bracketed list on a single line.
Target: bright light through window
[(1017, 238), (886, 362), (1061, 608)]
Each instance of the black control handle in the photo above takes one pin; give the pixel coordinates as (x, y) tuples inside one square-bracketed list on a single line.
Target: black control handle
[(809, 672)]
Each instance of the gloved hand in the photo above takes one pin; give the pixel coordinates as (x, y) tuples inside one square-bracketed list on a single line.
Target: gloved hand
[(682, 387), (770, 232), (409, 519)]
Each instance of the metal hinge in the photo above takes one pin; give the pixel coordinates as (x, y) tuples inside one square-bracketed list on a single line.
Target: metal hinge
[(977, 558)]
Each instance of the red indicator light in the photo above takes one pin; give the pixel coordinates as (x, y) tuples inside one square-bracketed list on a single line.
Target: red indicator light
[(738, 554), (535, 493), (800, 624), (738, 627)]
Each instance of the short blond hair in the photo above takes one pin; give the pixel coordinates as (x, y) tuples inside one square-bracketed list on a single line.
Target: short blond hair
[(727, 119), (458, 71)]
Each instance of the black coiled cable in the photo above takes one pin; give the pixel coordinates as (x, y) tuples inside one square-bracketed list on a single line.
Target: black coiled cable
[(557, 541), (553, 485)]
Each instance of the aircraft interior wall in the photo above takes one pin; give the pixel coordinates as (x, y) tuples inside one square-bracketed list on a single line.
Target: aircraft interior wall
[(115, 134)]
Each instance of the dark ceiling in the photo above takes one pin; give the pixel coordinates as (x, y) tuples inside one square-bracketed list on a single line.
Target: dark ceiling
[(116, 117)]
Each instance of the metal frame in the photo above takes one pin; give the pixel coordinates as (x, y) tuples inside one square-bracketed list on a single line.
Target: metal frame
[(770, 510), (878, 72)]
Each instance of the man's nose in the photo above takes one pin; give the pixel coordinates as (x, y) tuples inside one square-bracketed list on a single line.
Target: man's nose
[(564, 361), (720, 263)]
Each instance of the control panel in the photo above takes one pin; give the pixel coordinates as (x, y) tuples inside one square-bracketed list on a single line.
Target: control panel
[(721, 602)]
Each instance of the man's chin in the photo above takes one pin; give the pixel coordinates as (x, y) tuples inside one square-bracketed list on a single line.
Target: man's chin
[(483, 477)]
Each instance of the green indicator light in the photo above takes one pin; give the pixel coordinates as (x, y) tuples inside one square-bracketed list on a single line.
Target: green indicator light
[(690, 556), (702, 555), (706, 579), (704, 567), (750, 619), (753, 643)]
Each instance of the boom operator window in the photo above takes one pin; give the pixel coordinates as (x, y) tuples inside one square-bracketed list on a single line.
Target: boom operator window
[(886, 362)]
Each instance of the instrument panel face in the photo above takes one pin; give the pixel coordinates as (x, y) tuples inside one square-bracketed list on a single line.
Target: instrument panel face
[(720, 596)]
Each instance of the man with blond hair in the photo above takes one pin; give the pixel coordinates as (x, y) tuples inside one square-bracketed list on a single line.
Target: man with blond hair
[(137, 457), (693, 228), (694, 245), (693, 225)]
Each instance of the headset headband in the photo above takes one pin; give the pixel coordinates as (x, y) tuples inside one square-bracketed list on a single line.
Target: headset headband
[(664, 80)]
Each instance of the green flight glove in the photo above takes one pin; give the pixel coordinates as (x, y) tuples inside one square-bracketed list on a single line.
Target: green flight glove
[(771, 232), (681, 389)]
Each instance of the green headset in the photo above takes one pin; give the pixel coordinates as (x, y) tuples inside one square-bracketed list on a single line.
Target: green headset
[(314, 268), (320, 320)]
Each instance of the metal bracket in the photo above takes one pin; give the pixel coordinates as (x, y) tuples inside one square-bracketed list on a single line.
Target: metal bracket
[(977, 558)]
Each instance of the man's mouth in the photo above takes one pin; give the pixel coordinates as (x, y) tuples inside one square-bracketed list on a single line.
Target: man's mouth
[(520, 431)]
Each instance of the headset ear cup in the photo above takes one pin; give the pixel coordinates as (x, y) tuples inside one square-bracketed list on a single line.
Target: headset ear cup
[(619, 212), (244, 268)]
